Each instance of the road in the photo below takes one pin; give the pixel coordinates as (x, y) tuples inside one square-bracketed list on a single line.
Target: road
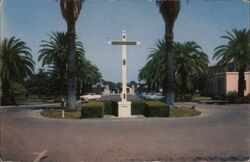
[(221, 133)]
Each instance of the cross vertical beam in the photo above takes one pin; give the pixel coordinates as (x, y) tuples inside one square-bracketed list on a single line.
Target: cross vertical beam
[(124, 67)]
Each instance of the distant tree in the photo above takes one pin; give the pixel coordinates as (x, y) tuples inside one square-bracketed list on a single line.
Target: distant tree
[(16, 65), (236, 51), (41, 84), (169, 11)]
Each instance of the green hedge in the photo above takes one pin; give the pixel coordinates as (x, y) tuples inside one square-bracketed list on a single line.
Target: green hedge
[(110, 108), (148, 109), (156, 109), (138, 107), (92, 110), (107, 108)]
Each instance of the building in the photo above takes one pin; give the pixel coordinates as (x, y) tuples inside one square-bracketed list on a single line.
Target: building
[(223, 79)]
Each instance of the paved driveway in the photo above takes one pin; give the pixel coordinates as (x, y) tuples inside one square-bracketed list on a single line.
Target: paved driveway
[(221, 133)]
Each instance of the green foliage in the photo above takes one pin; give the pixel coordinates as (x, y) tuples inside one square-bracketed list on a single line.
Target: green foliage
[(218, 97), (232, 96), (115, 108), (236, 51), (57, 113), (138, 107), (157, 109), (248, 98), (42, 84), (108, 109), (183, 112), (95, 110), (189, 62), (92, 110), (54, 53), (18, 88), (16, 65)]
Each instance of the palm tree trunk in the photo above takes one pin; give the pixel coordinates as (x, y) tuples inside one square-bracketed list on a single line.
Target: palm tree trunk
[(183, 85), (241, 81), (62, 85), (6, 92), (78, 87), (71, 99), (169, 66)]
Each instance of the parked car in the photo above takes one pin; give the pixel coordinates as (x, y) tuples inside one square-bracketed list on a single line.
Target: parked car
[(90, 96), (154, 96), (142, 95)]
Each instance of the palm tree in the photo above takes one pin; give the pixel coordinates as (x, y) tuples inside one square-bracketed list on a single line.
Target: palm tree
[(70, 11), (189, 61), (87, 75), (236, 51), (153, 71), (54, 53), (16, 65), (169, 11)]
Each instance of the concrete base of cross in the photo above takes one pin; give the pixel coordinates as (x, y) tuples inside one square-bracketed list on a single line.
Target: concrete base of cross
[(124, 109)]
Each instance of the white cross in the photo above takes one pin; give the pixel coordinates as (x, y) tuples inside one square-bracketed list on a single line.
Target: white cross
[(124, 44)]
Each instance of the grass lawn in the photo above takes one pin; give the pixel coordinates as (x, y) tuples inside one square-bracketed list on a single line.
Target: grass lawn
[(57, 113), (183, 112), (32, 100), (198, 98)]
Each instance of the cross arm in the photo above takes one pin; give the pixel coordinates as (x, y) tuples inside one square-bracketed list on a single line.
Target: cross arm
[(124, 43)]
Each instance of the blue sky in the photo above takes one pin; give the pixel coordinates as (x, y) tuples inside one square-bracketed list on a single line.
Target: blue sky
[(100, 21)]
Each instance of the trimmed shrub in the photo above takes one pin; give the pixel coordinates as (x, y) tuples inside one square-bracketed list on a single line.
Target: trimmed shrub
[(232, 96), (114, 108), (108, 107), (218, 97), (138, 107), (92, 110), (156, 109), (248, 98)]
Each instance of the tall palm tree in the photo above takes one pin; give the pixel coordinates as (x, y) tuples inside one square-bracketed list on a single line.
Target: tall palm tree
[(55, 54), (70, 11), (237, 51), (169, 10), (16, 64), (189, 61)]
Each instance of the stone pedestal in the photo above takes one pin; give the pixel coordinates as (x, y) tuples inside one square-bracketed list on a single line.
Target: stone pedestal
[(124, 109)]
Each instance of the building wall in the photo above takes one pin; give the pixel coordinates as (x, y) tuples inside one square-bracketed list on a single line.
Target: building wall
[(222, 79), (232, 82), (217, 83), (247, 78), (222, 83)]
